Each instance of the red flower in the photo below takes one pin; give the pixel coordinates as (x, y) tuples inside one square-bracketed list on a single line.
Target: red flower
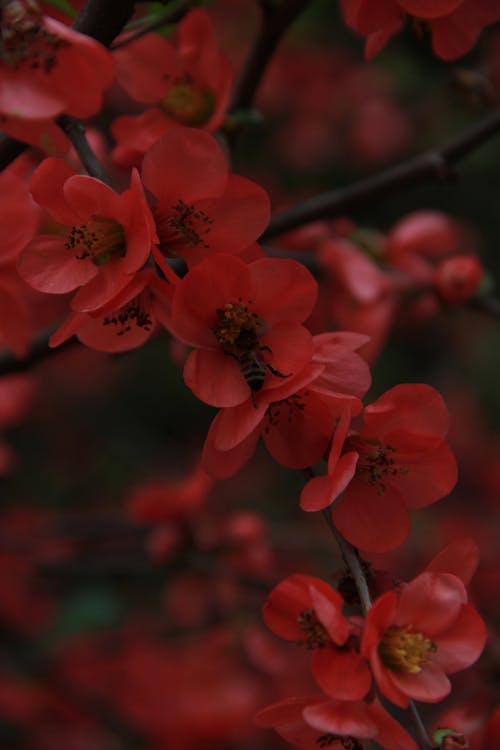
[(105, 237), (399, 459), (200, 207), (295, 419), (126, 321), (46, 68), (415, 637), (457, 279), (454, 24), (304, 609), (189, 83), (315, 722), (245, 320)]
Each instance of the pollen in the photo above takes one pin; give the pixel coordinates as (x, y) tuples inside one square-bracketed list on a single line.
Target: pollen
[(100, 240), (338, 741), (286, 409), (189, 104), (405, 651), (24, 39), (183, 224), (316, 635), (134, 313), (236, 327), (377, 462)]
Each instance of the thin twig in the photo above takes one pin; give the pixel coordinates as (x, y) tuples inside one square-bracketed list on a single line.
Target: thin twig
[(275, 20), (169, 15), (40, 351), (352, 562), (434, 165), (75, 130)]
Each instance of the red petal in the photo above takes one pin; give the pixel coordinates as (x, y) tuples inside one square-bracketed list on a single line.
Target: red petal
[(341, 717), (462, 643), (410, 408), (215, 378), (431, 602), (460, 557), (185, 164), (342, 674), (49, 267), (88, 197), (372, 522), (146, 67), (321, 492), (291, 349), (430, 476), (234, 425), (282, 290), (293, 595), (239, 216), (298, 437), (211, 285), (46, 185), (430, 685), (223, 464)]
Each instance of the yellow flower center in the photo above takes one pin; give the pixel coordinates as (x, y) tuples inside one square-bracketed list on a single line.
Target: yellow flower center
[(188, 104), (236, 328), (403, 650)]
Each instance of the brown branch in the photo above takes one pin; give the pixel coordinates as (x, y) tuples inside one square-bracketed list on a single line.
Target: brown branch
[(275, 19), (435, 165), (169, 15), (75, 130), (40, 351), (104, 19)]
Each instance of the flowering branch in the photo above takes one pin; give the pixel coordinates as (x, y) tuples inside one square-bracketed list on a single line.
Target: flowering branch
[(103, 20), (353, 563), (434, 165)]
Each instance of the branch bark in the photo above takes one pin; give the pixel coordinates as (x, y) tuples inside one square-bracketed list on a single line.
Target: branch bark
[(435, 165)]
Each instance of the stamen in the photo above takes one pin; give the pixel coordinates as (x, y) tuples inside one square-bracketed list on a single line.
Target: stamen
[(100, 239), (315, 632), (24, 39), (376, 462), (403, 650), (183, 225), (287, 408), (347, 742), (189, 104), (133, 313), (236, 328)]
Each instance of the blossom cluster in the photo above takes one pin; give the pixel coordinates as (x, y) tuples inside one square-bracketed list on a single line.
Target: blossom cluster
[(172, 243)]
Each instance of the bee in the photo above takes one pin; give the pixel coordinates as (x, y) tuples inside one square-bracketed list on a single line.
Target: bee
[(249, 354)]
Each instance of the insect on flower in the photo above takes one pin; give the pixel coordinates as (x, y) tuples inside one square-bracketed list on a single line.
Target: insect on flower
[(247, 350)]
